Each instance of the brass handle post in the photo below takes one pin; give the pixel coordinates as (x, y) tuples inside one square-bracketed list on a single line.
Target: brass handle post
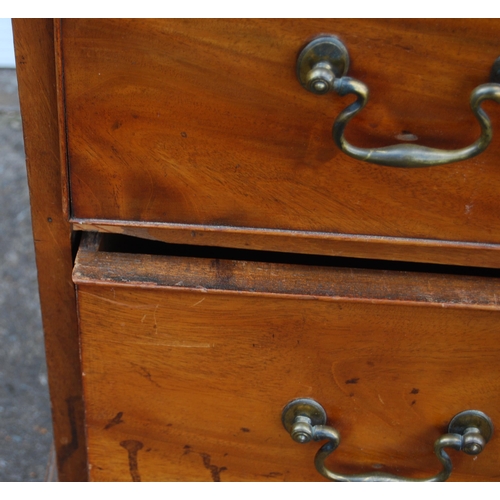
[(305, 420), (321, 68)]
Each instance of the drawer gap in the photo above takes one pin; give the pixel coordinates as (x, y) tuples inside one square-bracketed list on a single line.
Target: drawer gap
[(111, 260), (119, 243)]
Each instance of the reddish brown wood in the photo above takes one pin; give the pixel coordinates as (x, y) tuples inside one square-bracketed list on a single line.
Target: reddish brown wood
[(187, 380), (203, 122), (196, 131), (34, 42)]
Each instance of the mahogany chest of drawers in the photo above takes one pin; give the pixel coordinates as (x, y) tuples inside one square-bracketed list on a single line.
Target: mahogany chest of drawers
[(218, 275)]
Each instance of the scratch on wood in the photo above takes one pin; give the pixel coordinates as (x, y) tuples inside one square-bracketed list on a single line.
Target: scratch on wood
[(116, 302), (199, 302), (114, 421), (273, 474), (380, 399), (167, 343), (144, 372), (177, 343), (154, 316)]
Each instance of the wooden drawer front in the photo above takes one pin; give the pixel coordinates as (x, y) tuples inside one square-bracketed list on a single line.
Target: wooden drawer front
[(203, 122), (186, 372)]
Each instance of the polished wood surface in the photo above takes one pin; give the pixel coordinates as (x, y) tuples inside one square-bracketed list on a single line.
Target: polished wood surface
[(203, 122), (34, 43), (186, 380)]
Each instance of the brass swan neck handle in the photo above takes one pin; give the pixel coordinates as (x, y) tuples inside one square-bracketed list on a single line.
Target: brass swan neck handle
[(321, 67), (305, 419)]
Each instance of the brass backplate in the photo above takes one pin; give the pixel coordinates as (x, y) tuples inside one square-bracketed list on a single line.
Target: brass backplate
[(325, 48), (469, 419), (303, 407)]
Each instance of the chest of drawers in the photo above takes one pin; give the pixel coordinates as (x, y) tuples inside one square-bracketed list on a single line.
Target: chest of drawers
[(255, 288)]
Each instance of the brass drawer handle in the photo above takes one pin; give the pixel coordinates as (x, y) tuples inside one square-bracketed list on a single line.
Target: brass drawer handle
[(321, 67), (305, 420)]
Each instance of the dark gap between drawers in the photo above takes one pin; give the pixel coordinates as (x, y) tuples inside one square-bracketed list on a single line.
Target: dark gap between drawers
[(118, 243)]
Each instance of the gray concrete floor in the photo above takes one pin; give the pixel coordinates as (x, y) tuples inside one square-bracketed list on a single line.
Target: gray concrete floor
[(25, 421)]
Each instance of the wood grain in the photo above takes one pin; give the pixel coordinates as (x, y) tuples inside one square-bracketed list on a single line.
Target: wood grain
[(203, 122), (186, 381), (34, 43)]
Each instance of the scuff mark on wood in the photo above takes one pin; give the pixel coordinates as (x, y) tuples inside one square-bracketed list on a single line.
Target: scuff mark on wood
[(69, 448), (132, 446), (272, 474), (352, 381), (224, 272)]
